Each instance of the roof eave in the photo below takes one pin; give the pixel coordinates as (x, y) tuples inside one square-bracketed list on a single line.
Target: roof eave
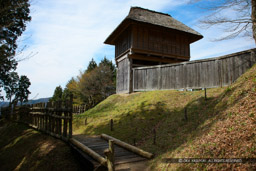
[(118, 30), (125, 23), (195, 38)]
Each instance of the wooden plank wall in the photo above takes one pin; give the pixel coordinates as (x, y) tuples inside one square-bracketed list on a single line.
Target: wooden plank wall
[(160, 41), (207, 73), (122, 81)]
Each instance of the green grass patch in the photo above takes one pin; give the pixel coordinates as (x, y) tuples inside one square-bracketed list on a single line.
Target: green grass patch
[(136, 116), (223, 126)]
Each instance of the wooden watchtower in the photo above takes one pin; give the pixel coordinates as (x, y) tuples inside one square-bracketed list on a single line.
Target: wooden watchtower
[(146, 38)]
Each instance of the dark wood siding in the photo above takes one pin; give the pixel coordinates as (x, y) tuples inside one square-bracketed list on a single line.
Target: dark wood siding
[(160, 41), (123, 43)]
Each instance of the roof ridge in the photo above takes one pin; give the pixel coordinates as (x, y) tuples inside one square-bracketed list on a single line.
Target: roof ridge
[(136, 7), (142, 15)]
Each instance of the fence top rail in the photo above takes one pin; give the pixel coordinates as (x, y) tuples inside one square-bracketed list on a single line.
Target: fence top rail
[(53, 115), (52, 104), (52, 109), (197, 61)]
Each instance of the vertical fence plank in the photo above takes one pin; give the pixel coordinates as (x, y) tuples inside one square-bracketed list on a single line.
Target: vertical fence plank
[(59, 119), (65, 120), (41, 116), (70, 115), (46, 118), (54, 118), (49, 117)]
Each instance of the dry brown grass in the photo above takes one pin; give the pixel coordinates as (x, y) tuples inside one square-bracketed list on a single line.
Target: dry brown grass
[(233, 135), (224, 126)]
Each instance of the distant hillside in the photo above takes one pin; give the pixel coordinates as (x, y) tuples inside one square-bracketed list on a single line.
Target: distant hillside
[(224, 126), (41, 100), (4, 104)]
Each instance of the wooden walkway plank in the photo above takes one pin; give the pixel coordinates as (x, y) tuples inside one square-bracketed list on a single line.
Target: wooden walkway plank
[(87, 150), (128, 146), (97, 144)]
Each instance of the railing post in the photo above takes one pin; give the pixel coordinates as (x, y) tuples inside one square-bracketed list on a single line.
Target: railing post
[(185, 114), (85, 121), (111, 125), (154, 138), (109, 153), (205, 94)]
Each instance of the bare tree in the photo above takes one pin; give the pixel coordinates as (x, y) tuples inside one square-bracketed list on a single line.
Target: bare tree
[(237, 17), (253, 18)]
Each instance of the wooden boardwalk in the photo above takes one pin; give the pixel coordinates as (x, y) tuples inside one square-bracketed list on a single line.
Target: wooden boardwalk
[(122, 156)]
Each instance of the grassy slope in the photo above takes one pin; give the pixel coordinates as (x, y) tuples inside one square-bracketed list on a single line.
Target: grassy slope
[(224, 126), (22, 148)]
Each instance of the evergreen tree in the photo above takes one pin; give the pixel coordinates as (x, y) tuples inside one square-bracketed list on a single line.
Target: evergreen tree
[(106, 62), (57, 96), (1, 97), (11, 85), (66, 94), (92, 65), (22, 92), (14, 14)]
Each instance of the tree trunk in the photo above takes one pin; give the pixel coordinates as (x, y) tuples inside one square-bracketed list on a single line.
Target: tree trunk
[(254, 19)]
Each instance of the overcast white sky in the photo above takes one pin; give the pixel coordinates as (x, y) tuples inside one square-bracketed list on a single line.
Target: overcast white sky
[(66, 34)]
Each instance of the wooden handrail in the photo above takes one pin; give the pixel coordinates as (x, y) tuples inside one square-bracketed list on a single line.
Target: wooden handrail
[(87, 150), (128, 146)]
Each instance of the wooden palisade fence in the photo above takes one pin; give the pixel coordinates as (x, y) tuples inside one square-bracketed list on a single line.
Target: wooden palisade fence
[(54, 118), (206, 73), (78, 109)]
